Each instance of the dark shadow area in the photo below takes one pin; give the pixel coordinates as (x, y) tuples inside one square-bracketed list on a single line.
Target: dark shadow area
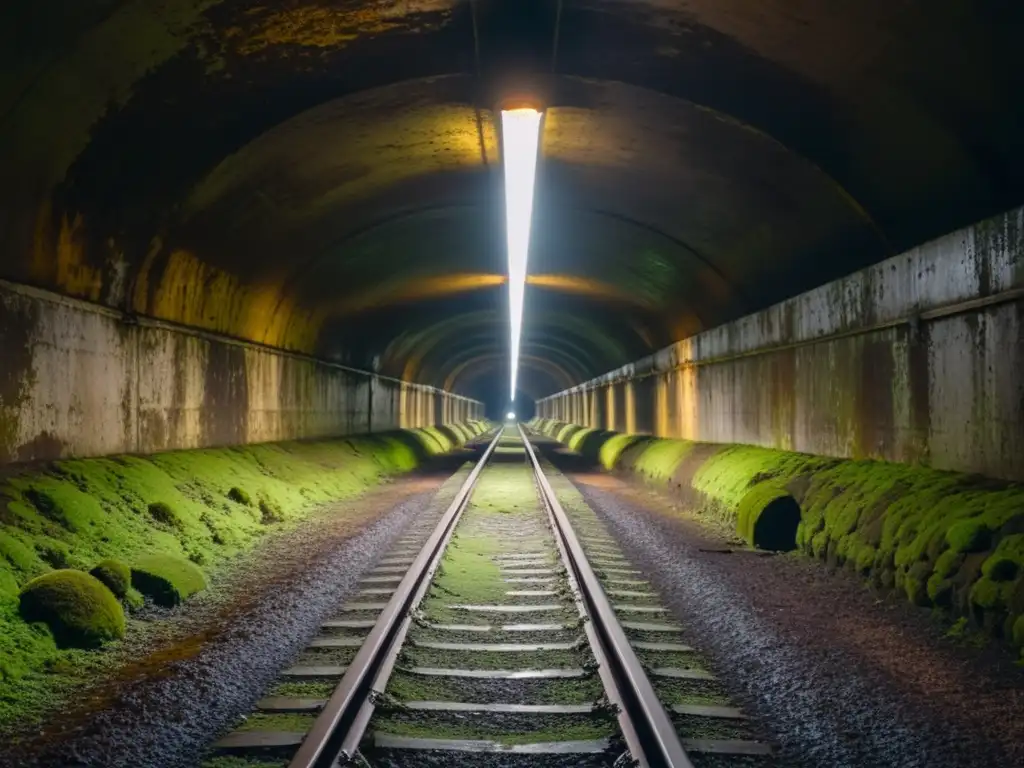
[(775, 529)]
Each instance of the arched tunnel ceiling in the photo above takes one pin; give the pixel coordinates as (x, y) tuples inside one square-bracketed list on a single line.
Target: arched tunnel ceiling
[(325, 176)]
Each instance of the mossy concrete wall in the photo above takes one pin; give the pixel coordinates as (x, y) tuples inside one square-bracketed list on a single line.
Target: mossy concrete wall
[(80, 380), (948, 540), (918, 359)]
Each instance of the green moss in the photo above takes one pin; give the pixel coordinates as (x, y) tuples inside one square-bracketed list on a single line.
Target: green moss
[(133, 599), (942, 538), (304, 689), (940, 590), (968, 536), (115, 575), (239, 496), (289, 722), (505, 730), (166, 579), (948, 562), (234, 761), (1007, 561), (660, 458), (1018, 632), (612, 449), (78, 609), (987, 594), (407, 687), (915, 584), (1000, 568), (78, 513), (270, 512)]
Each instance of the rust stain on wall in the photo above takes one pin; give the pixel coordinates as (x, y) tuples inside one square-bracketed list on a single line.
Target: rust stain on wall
[(225, 396), (17, 323), (783, 402), (59, 256), (324, 26), (874, 426), (918, 369)]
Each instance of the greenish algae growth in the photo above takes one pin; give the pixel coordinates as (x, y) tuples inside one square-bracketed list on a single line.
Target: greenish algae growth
[(659, 461), (78, 608), (166, 579), (77, 513), (299, 689), (232, 761), (429, 657), (286, 721), (612, 448), (408, 687), (944, 539), (544, 729), (115, 575), (315, 657), (675, 691)]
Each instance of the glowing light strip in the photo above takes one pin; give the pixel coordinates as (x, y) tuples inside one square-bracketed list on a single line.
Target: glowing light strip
[(520, 133)]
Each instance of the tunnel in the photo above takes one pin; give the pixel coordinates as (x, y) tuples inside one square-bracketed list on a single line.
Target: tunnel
[(751, 376)]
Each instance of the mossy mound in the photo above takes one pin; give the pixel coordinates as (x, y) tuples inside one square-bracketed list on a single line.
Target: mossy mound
[(79, 610), (240, 496), (944, 539), (167, 580), (77, 513), (115, 575)]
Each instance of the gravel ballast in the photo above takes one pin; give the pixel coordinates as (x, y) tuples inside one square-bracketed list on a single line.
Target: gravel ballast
[(837, 674), (224, 652)]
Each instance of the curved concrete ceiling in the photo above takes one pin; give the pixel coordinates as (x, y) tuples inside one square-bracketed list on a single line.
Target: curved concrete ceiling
[(325, 176)]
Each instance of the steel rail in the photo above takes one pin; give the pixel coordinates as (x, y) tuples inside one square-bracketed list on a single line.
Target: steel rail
[(632, 738), (659, 742), (347, 702)]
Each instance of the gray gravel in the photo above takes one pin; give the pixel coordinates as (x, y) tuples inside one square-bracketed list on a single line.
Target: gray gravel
[(838, 676), (166, 720)]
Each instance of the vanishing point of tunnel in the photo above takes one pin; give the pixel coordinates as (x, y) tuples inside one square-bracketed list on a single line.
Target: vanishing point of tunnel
[(560, 383)]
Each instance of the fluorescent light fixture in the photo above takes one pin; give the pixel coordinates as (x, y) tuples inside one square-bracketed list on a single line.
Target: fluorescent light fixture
[(520, 134), (510, 416)]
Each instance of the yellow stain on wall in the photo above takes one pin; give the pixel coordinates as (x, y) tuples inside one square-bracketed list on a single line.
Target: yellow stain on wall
[(687, 403), (199, 295), (328, 27), (630, 398), (609, 401), (60, 261), (662, 424)]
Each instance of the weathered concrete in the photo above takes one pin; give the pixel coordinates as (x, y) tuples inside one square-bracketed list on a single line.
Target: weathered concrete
[(917, 359), (80, 380)]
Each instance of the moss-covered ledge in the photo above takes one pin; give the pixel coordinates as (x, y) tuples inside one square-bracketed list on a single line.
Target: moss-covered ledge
[(945, 539), (121, 516)]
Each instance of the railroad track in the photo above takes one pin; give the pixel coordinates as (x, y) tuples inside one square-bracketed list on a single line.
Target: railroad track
[(505, 630)]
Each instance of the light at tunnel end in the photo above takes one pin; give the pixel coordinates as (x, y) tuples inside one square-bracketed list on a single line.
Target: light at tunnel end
[(510, 416), (520, 132)]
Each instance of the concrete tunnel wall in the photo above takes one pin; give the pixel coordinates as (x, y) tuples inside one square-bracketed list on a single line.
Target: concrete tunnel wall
[(77, 379), (918, 359)]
